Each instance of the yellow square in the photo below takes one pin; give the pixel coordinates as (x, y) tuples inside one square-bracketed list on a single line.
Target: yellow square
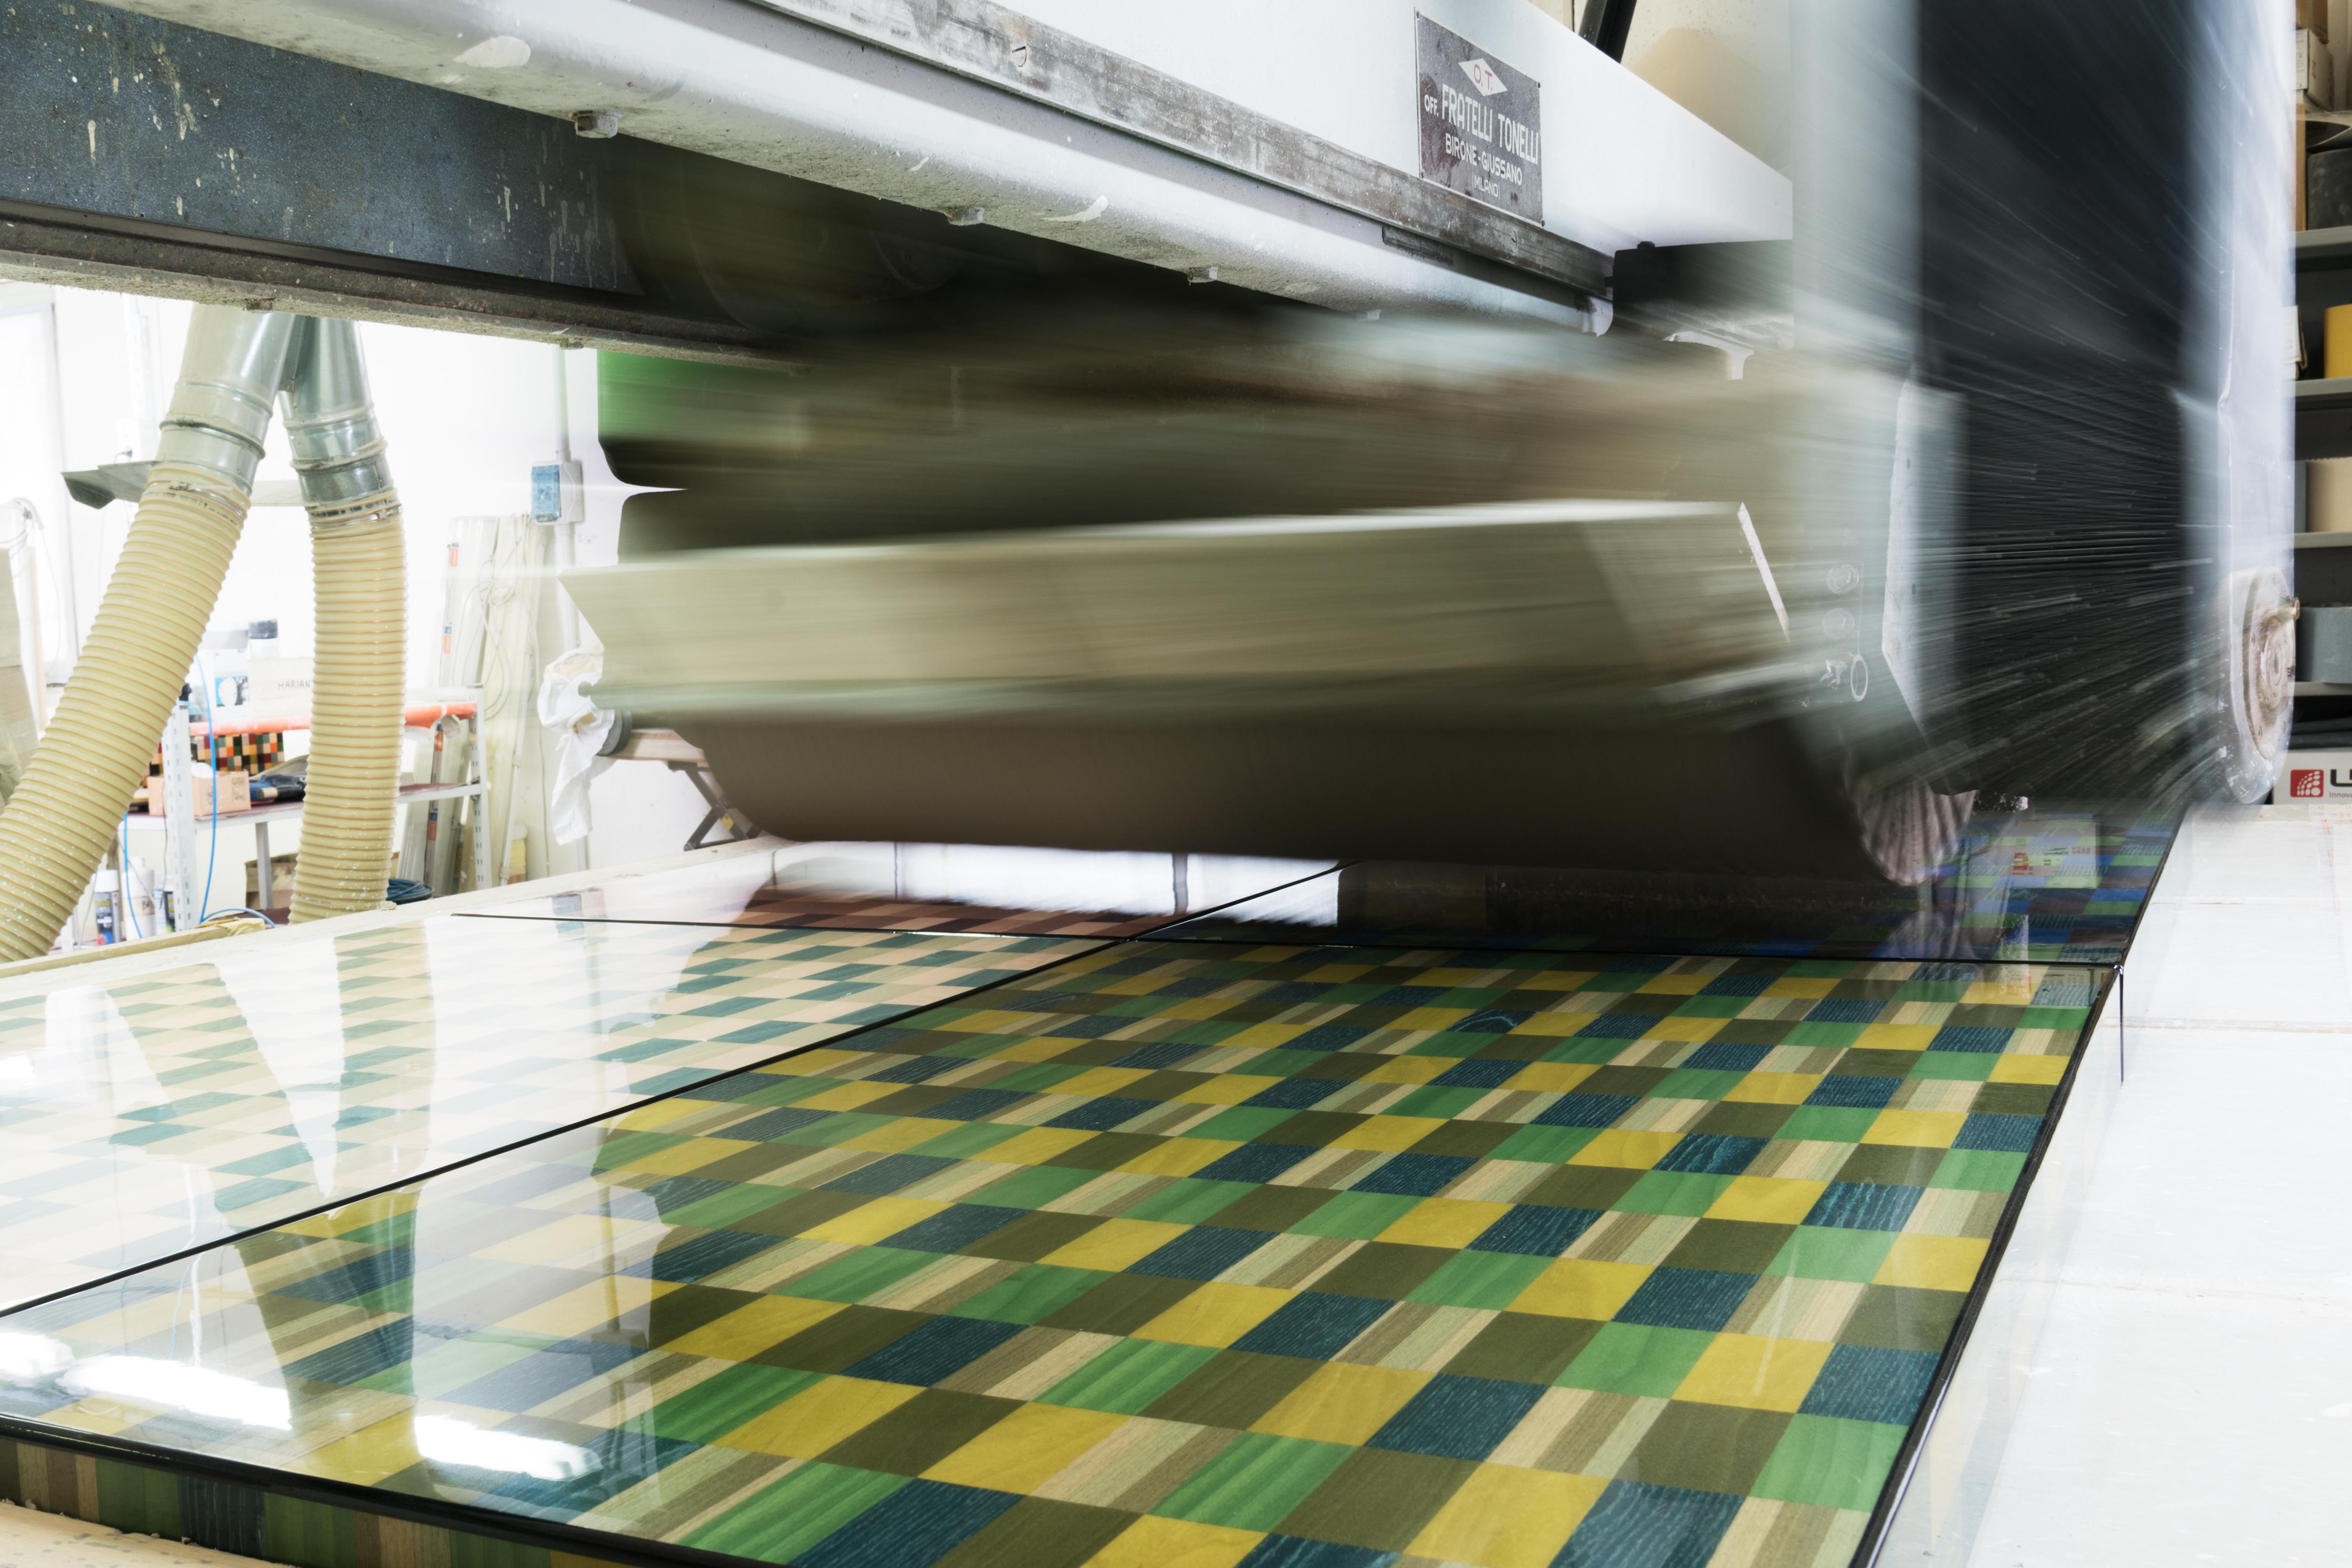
[(1337, 974), (751, 1328), (988, 1022), (1037, 1146), (818, 1416), (1932, 1262), (1215, 1314), (892, 1136), (1551, 1077), (591, 1306), (1625, 1148), (1689, 1029), (1114, 1244), (1392, 1133), (691, 1155), (821, 1062), (1152, 1542), (1408, 1069), (1342, 1403), (1916, 1129), (2016, 990), (847, 1096), (370, 1454), (1556, 980), (1556, 1025), (872, 1221), (1895, 1037), (1675, 985), (1503, 1517), (1754, 1372), (1027, 1448), (1227, 1089), (1100, 1080), (1444, 1222), (1582, 1288), (1799, 986), (1775, 1088), (1179, 1157), (1768, 1200), (2029, 1070)]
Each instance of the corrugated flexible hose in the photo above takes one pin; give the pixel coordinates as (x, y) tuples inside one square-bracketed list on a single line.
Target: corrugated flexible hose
[(59, 822), (360, 567)]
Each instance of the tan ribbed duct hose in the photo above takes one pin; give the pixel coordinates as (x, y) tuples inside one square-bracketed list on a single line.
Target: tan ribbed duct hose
[(58, 824), (359, 567)]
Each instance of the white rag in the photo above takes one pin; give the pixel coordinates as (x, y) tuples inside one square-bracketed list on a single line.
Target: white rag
[(581, 729)]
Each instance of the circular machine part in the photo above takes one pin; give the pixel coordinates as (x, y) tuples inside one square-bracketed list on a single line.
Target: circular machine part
[(2259, 675)]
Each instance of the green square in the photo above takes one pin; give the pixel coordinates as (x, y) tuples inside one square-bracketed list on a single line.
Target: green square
[(1489, 1280), (1032, 1187), (616, 1152), (1811, 1036), (1442, 1100), (1037, 1291), (1545, 1145), (309, 1534), (1188, 1202), (862, 1273), (709, 1409), (1240, 1124), (1696, 1084), (1280, 1064), (1356, 1216), (975, 1047), (1039, 1077), (721, 1209), (966, 1141), (1254, 1482), (795, 1513), (1636, 1359), (1828, 1462), (1822, 1124), (1127, 1376), (1446, 1043), (1712, 1006), (1830, 1252), (137, 1500), (446, 1364), (1688, 1193), (1599, 1051), (1955, 1065), (839, 1128), (1980, 1170), (2069, 1019)]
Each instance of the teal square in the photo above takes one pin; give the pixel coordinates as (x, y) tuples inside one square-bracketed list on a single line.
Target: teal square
[(1687, 1193), (1489, 1281), (1634, 1358)]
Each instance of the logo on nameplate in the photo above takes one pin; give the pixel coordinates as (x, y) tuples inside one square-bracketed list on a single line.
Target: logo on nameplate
[(1481, 123)]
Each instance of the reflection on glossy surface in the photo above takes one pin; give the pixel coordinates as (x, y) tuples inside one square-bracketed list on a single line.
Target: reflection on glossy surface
[(929, 887), (1472, 1257), (171, 1109), (2039, 887)]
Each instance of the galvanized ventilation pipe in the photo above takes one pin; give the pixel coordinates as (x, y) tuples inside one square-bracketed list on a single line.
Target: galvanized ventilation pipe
[(359, 566), (58, 824)]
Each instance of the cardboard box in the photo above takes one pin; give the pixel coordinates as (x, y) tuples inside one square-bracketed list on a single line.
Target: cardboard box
[(233, 794), (2315, 69), (2314, 776)]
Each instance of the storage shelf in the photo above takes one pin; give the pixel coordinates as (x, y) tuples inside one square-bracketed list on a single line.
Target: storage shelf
[(2322, 689), (2321, 541)]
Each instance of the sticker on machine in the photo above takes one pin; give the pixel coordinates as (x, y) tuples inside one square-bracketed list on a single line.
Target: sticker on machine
[(2314, 776), (1481, 123)]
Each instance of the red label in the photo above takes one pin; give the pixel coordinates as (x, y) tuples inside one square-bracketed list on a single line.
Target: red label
[(2019, 864), (2306, 783)]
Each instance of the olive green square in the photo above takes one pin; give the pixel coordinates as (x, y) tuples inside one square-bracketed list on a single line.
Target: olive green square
[(1706, 1448), (1827, 1462), (1829, 1252), (1687, 1193), (1902, 1317), (1378, 1498), (1637, 1359)]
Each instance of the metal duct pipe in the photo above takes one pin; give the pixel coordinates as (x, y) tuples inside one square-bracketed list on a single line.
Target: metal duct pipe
[(359, 572), (58, 824)]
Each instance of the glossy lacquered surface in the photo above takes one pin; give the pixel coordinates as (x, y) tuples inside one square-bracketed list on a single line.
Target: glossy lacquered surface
[(142, 1117), (1175, 1253)]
